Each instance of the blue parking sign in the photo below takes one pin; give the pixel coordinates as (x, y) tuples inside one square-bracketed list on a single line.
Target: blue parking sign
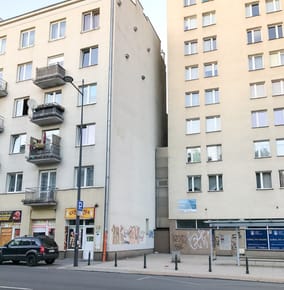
[(80, 205)]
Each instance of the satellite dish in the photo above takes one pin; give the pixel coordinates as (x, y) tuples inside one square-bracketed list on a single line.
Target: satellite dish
[(31, 104)]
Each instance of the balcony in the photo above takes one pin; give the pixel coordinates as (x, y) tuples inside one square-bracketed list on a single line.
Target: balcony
[(3, 88), (44, 152), (48, 114), (40, 197), (1, 124), (50, 76)]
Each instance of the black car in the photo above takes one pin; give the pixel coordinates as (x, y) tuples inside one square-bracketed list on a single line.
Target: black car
[(30, 249)]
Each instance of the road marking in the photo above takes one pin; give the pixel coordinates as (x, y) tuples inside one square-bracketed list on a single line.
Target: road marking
[(14, 288), (144, 278)]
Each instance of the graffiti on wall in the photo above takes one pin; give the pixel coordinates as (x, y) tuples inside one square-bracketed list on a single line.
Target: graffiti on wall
[(131, 235), (199, 240), (179, 241)]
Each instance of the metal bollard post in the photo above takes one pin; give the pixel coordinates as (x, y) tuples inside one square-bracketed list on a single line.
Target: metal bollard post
[(247, 266), (176, 262), (115, 259), (89, 259), (145, 265), (210, 264)]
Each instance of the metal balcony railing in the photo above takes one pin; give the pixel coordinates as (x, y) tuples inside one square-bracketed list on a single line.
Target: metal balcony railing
[(38, 196), (3, 88)]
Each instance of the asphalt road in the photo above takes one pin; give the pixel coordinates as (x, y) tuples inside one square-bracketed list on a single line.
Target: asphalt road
[(52, 277)]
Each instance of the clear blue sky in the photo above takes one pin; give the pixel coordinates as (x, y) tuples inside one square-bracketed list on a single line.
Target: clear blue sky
[(154, 9)]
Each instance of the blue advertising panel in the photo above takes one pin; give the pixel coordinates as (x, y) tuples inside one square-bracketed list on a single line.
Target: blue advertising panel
[(276, 239), (256, 239)]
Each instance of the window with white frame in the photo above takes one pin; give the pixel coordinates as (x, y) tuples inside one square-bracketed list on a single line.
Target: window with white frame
[(14, 182), (210, 69), (87, 176), (90, 95), (190, 22), (273, 5), (28, 38), (257, 90), (278, 116), (91, 20), (213, 124), (262, 149), (189, 2), (209, 43), (194, 183), (192, 99), (280, 147), (253, 35), (275, 31), (281, 178), (193, 154), (277, 58), (24, 72), (214, 153), (252, 9), (278, 87), (193, 126), (191, 73), (215, 182), (208, 18), (88, 135), (47, 182), (21, 107), (212, 96), (259, 119), (56, 59), (263, 180), (89, 56), (255, 62), (57, 29), (3, 41), (18, 143), (53, 97), (190, 47)]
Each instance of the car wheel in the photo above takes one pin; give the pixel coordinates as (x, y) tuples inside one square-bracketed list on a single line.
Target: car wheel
[(16, 262), (31, 260), (49, 261)]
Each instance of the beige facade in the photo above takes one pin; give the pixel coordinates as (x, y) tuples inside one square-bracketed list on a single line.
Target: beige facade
[(226, 117), (112, 46)]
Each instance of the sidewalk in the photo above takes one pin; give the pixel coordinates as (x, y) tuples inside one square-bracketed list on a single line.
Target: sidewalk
[(190, 266)]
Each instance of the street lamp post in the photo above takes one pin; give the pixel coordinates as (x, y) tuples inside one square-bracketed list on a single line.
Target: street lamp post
[(69, 79)]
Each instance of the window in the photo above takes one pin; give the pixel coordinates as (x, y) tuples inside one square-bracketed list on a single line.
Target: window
[(89, 56), (190, 22), (210, 70), (88, 135), (53, 97), (252, 9), (263, 180), (255, 62), (213, 124), (47, 182), (277, 58), (259, 119), (189, 2), (272, 5), (280, 147), (193, 154), (190, 47), (257, 90), (56, 59), (278, 117), (90, 95), (209, 43), (214, 153), (277, 87), (211, 96), (192, 126), (21, 107), (281, 178), (192, 99), (254, 35), (18, 143), (191, 73), (57, 29), (208, 18), (262, 149), (91, 20), (14, 182), (27, 38), (24, 72), (275, 31), (3, 44), (215, 182), (87, 176), (194, 183)]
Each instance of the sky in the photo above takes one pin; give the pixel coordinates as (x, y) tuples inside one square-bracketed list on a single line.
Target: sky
[(154, 9)]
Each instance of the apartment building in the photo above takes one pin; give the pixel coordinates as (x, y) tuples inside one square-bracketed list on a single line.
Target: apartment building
[(113, 55), (226, 117)]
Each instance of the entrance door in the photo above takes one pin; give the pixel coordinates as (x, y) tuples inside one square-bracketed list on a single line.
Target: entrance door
[(88, 245)]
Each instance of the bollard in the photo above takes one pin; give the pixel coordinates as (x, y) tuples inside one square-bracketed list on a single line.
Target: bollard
[(210, 264), (145, 266), (176, 262), (115, 259), (89, 259), (247, 266)]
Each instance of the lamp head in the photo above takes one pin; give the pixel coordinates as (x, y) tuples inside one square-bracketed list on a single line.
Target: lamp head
[(68, 79)]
